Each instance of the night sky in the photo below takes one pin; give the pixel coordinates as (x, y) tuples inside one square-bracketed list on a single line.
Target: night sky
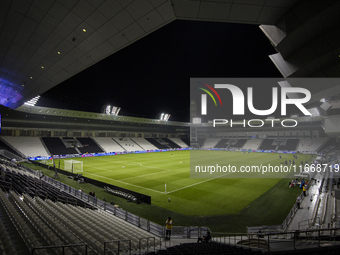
[(153, 74)]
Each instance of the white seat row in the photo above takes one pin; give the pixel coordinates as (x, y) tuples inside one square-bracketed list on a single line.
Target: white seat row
[(25, 230), (130, 231), (103, 226), (44, 230), (17, 170), (61, 224), (8, 243), (29, 146), (53, 223), (81, 232)]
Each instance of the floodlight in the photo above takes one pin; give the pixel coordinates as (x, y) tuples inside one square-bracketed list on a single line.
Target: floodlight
[(115, 110), (110, 110), (107, 109), (33, 101), (118, 110), (164, 116)]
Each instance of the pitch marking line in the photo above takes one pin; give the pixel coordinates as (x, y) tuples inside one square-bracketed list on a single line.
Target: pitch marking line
[(162, 192), (164, 171), (127, 183), (202, 182), (195, 184)]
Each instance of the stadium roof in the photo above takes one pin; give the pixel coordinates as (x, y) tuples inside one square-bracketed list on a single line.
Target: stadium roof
[(45, 42)]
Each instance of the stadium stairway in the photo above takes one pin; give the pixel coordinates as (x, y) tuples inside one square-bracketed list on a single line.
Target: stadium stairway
[(137, 143), (310, 207), (171, 143), (267, 145), (143, 143), (252, 144), (125, 144), (157, 143), (56, 146), (186, 141), (223, 143), (239, 143), (89, 145), (179, 142)]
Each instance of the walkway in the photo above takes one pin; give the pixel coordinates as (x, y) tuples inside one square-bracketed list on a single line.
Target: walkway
[(308, 204)]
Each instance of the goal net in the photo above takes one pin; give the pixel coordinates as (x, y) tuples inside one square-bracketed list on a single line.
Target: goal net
[(47, 161), (74, 166)]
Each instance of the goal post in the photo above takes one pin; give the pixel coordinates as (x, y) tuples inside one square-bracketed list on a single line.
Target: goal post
[(73, 166), (47, 161)]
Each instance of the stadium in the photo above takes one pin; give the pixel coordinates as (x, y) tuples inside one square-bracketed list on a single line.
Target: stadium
[(255, 167)]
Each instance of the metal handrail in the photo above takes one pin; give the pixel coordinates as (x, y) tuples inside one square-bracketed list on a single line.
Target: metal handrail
[(147, 244), (59, 246), (262, 240), (118, 242), (309, 222)]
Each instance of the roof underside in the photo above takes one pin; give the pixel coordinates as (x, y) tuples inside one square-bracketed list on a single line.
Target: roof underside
[(44, 42)]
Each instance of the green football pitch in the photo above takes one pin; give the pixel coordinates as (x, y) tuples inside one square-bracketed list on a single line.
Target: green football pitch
[(149, 173)]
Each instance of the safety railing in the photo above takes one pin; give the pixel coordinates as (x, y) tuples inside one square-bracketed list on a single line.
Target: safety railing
[(117, 246), (62, 247), (154, 228), (307, 224), (145, 243), (291, 240)]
